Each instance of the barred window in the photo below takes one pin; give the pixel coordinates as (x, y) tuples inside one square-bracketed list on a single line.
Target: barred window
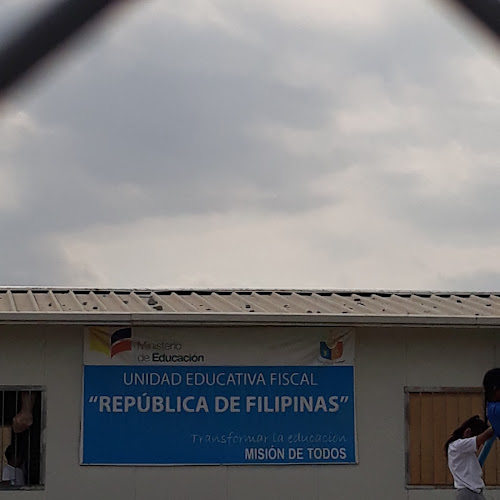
[(21, 423), (432, 415)]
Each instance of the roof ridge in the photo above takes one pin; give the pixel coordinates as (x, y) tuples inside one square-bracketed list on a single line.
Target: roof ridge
[(341, 291)]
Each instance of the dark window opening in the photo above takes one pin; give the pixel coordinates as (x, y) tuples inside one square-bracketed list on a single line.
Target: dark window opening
[(20, 438)]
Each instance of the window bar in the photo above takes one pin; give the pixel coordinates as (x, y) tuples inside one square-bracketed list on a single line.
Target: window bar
[(3, 425), (28, 461), (15, 436)]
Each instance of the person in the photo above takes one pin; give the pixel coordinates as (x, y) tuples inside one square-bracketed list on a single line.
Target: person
[(461, 449), (12, 473), (491, 384), (24, 419)]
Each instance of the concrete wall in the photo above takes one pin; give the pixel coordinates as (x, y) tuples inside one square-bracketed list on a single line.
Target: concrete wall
[(387, 361)]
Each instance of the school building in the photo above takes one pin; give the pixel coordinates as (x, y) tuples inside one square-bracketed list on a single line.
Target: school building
[(241, 394)]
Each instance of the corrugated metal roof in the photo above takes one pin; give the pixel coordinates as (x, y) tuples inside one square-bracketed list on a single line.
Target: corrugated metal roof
[(329, 307)]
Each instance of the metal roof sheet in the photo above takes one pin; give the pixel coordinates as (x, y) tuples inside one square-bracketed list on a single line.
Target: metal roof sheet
[(78, 305)]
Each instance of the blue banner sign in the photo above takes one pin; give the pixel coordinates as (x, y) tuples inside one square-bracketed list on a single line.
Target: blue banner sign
[(173, 412)]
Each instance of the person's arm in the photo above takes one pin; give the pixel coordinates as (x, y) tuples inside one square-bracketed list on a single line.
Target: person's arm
[(483, 437)]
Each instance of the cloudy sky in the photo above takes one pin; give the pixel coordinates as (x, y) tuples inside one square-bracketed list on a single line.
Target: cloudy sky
[(257, 143)]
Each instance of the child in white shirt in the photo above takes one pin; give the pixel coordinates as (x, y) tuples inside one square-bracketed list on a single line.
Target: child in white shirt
[(12, 474), (461, 450)]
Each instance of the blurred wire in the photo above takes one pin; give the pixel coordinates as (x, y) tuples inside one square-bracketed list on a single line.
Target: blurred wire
[(486, 12), (45, 33)]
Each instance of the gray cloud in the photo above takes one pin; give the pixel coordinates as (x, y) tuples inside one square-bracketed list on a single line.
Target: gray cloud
[(482, 281), (162, 123)]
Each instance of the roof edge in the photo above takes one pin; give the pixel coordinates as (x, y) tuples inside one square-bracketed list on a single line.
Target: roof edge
[(350, 291), (244, 319)]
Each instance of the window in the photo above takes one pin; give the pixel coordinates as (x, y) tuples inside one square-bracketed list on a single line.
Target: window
[(21, 428), (432, 415)]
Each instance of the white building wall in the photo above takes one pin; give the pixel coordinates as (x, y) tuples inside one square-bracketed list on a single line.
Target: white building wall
[(387, 360)]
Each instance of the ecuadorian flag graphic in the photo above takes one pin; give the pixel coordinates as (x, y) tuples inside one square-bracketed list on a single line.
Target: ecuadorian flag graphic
[(110, 341)]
